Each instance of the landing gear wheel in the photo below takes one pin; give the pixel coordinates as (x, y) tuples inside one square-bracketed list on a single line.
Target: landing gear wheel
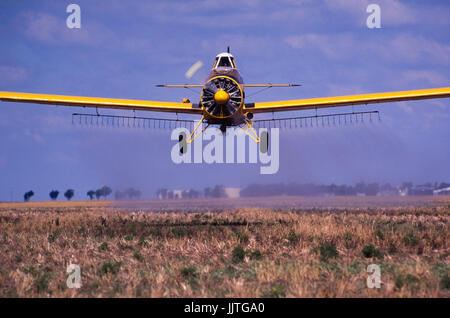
[(182, 142), (264, 142)]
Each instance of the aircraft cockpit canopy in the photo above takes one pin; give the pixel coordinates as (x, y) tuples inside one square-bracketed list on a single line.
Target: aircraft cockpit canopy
[(224, 60)]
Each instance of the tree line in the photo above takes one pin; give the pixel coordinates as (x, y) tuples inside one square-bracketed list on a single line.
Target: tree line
[(53, 194), (99, 193), (102, 192), (359, 188), (308, 189), (217, 191)]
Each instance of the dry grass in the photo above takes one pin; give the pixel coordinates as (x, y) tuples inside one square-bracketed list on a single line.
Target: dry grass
[(244, 252)]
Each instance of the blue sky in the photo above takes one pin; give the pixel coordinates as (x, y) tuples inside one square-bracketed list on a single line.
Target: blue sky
[(124, 48)]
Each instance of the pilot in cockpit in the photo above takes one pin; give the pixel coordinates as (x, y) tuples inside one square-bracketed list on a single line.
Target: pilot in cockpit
[(225, 60)]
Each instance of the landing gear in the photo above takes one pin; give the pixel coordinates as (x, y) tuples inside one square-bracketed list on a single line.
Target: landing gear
[(264, 144), (250, 131), (223, 128)]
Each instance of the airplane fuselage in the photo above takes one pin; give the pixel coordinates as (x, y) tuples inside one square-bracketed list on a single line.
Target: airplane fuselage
[(222, 96)]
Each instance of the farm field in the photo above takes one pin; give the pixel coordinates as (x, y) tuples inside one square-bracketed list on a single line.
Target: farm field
[(247, 247)]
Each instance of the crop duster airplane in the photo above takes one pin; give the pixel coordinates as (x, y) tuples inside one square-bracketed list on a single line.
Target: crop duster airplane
[(222, 100)]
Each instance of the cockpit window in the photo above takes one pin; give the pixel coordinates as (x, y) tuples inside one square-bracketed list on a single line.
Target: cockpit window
[(232, 61), (224, 62)]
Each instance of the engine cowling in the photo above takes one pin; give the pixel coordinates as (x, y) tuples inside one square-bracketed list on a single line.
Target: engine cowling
[(222, 97)]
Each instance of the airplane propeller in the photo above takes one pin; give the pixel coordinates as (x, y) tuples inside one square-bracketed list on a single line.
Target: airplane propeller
[(221, 97)]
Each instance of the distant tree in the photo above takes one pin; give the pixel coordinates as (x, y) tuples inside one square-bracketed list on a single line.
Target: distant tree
[(372, 189), (129, 193), (54, 194), (407, 185), (207, 192), (98, 194), (218, 192), (248, 191), (194, 194), (132, 193), (118, 195), (28, 195), (91, 194), (69, 194), (105, 191), (360, 187), (137, 194), (161, 193), (190, 194)]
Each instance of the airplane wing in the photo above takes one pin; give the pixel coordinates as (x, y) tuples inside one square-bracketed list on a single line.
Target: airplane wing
[(245, 85), (97, 102), (315, 103)]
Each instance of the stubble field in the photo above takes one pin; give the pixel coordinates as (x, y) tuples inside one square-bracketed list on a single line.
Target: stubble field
[(270, 247)]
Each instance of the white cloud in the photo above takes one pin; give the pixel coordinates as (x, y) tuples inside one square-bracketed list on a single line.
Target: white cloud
[(345, 89), (404, 47), (432, 119), (51, 121), (12, 74), (405, 107), (34, 136), (41, 26), (330, 46), (414, 48), (3, 161), (251, 44), (50, 29), (393, 12), (61, 157), (213, 14), (429, 76), (438, 103)]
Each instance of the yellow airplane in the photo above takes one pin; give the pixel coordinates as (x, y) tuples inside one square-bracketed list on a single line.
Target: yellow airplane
[(222, 100)]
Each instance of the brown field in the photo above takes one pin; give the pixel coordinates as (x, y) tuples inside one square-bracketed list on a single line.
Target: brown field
[(250, 247)]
